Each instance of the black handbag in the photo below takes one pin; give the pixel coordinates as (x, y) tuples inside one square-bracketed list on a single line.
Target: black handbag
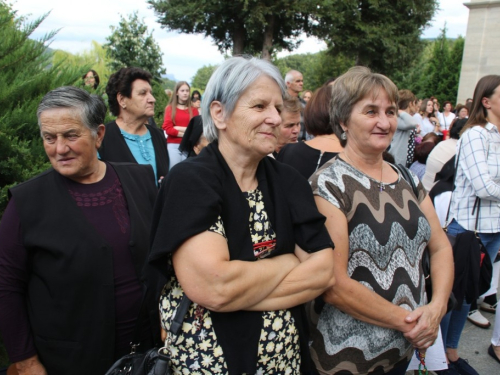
[(155, 361)]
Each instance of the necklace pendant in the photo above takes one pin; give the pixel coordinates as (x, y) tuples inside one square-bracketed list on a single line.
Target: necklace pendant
[(381, 187)]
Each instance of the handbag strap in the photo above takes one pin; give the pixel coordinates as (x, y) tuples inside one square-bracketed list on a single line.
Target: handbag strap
[(175, 326), (407, 176)]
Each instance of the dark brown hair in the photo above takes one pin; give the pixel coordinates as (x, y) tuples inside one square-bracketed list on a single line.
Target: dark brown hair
[(96, 78), (484, 89), (121, 82), (422, 151), (423, 108), (317, 112)]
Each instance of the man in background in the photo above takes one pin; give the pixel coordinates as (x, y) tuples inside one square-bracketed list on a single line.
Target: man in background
[(290, 123)]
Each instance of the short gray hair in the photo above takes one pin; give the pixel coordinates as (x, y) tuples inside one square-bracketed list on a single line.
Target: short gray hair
[(290, 74), (90, 108), (351, 87), (231, 79)]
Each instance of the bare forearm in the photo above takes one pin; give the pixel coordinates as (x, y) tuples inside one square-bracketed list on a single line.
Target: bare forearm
[(442, 275), (363, 304), (304, 283), (237, 285)]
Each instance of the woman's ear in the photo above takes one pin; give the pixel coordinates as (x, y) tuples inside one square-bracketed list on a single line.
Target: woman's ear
[(486, 103), (343, 127), (217, 113), (101, 130), (121, 100)]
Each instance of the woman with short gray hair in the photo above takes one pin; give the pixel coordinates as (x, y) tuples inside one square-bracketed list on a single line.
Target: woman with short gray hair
[(238, 254), (74, 243)]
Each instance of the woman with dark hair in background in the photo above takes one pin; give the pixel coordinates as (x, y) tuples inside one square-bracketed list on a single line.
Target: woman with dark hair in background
[(91, 78), (446, 118), (196, 99), (310, 155), (427, 118), (130, 138), (477, 182), (178, 113), (422, 152)]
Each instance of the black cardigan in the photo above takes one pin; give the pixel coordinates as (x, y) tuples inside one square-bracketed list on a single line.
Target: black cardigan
[(70, 294), (204, 187), (114, 148)]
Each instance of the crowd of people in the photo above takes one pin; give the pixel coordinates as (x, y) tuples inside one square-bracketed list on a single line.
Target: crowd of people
[(292, 227)]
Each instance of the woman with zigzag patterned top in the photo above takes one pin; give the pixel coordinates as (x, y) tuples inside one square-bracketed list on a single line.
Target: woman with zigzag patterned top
[(375, 317)]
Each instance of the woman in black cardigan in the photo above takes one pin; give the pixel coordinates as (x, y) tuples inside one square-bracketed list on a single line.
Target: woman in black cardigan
[(74, 240), (249, 253), (130, 138)]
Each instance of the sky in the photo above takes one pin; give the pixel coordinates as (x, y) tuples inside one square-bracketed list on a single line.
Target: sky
[(80, 22)]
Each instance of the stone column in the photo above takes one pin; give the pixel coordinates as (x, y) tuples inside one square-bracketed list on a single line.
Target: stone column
[(482, 46)]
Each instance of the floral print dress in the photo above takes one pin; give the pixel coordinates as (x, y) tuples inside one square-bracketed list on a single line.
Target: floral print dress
[(196, 350)]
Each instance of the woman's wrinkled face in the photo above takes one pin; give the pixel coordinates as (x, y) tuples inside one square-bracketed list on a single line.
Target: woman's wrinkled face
[(372, 124), (254, 124), (141, 102), (69, 144), (463, 113), (183, 94)]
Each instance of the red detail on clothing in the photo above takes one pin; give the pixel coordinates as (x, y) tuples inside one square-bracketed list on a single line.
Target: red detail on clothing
[(263, 249), (181, 119)]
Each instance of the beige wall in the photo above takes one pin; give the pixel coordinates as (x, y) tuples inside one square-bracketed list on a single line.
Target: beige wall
[(482, 45)]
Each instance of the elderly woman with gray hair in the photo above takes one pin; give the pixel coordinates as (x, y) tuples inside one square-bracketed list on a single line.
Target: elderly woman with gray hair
[(248, 250), (74, 241)]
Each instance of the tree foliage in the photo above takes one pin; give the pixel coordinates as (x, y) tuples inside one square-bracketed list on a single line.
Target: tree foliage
[(130, 45), (437, 71), (27, 74), (316, 68), (96, 58), (202, 76), (381, 34), (240, 26)]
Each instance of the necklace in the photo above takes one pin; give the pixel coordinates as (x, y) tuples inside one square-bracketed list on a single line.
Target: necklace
[(381, 185)]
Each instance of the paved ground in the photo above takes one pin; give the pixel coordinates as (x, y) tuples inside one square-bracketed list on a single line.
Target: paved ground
[(473, 346)]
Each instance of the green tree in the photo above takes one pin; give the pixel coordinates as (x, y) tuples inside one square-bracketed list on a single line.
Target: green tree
[(240, 26), (27, 74), (437, 71), (381, 34), (96, 58), (130, 45), (202, 76), (316, 68)]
